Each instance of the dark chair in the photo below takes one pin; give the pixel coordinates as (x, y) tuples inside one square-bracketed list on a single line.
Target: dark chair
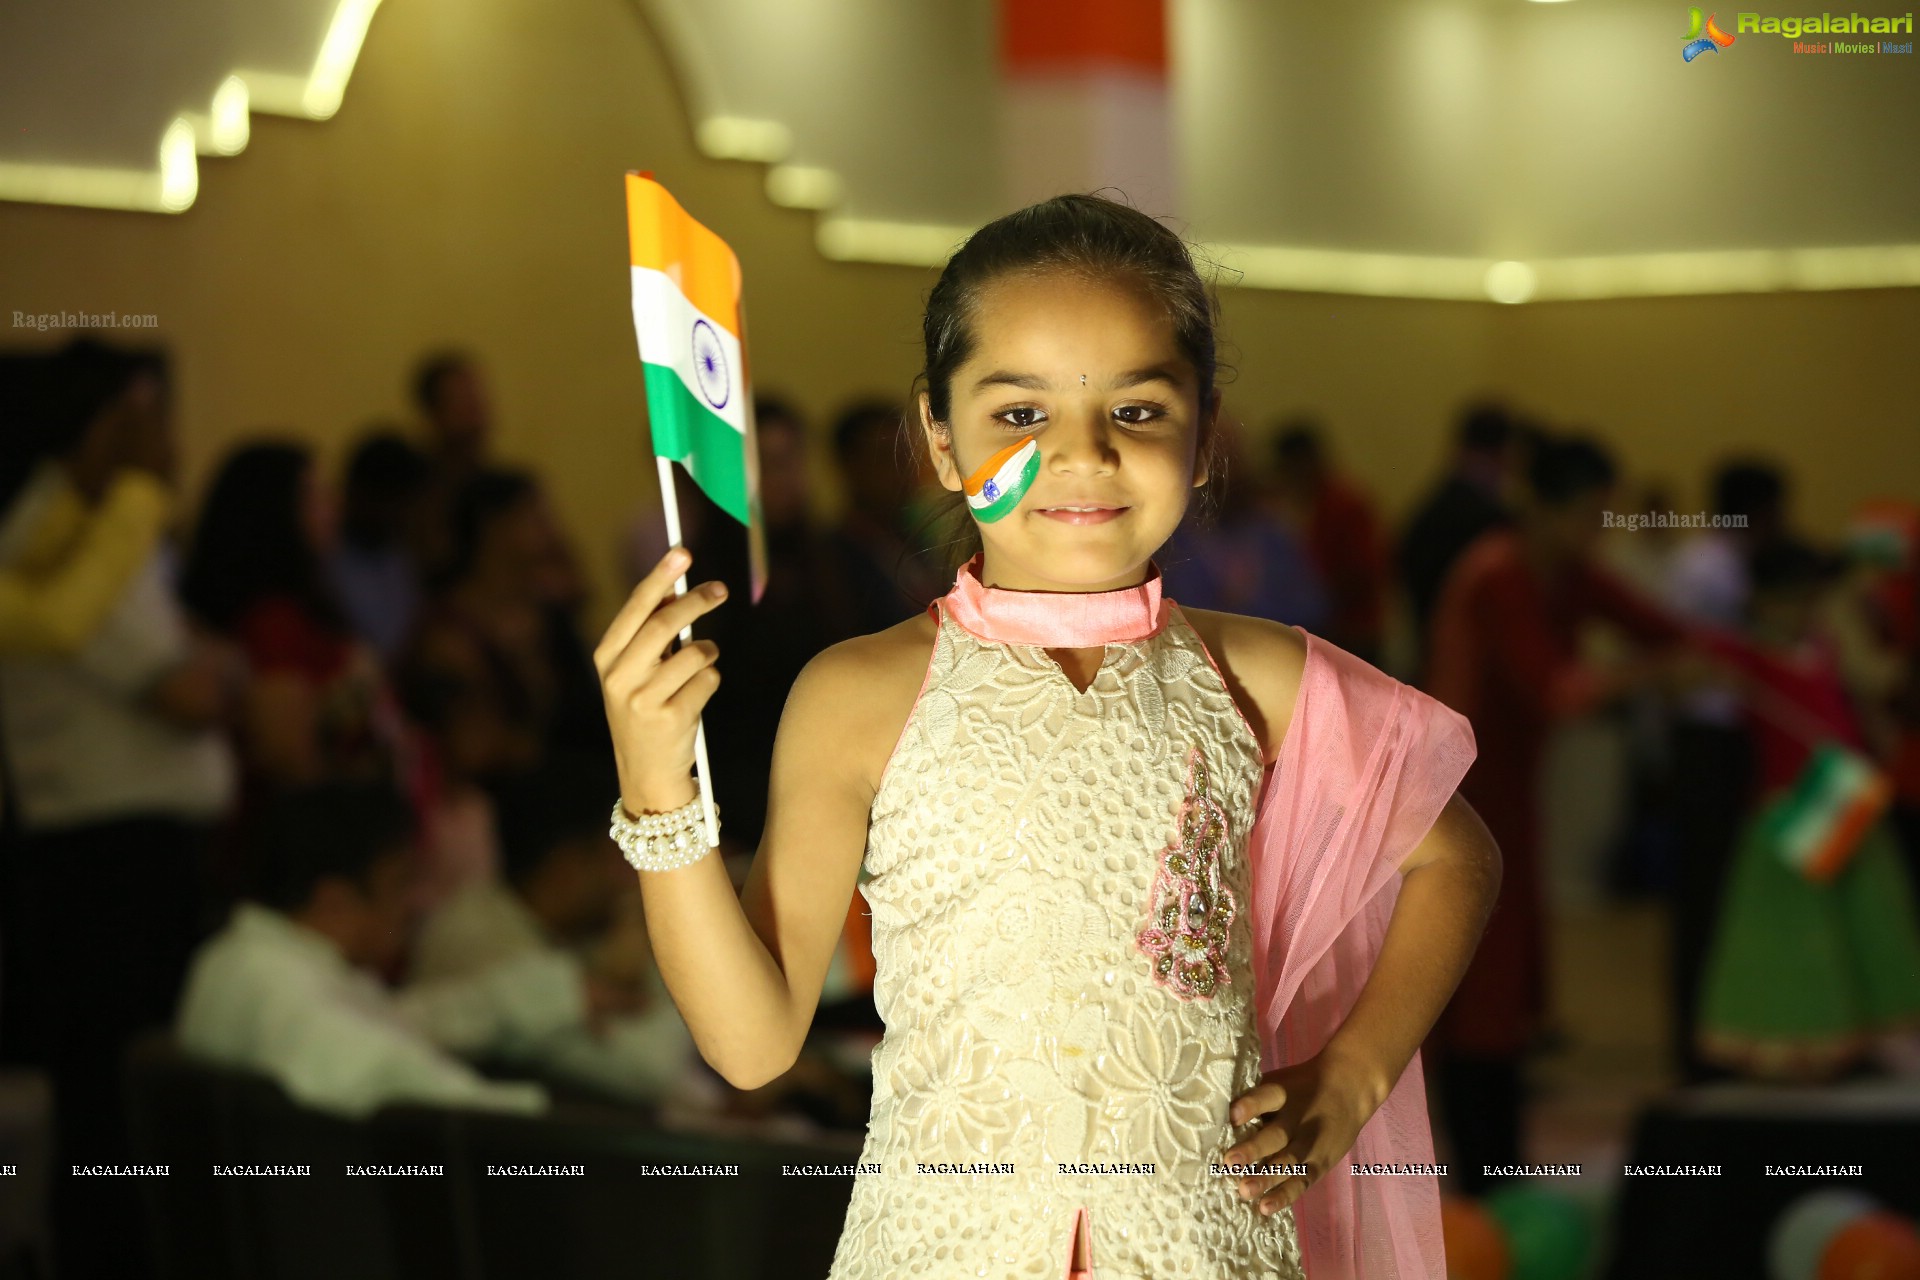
[(616, 1221), (799, 1217), (623, 1218), (431, 1219), (193, 1116), (177, 1116), (1683, 1227), (319, 1227)]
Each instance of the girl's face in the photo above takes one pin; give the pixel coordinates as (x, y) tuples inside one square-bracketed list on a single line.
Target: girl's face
[(1092, 371)]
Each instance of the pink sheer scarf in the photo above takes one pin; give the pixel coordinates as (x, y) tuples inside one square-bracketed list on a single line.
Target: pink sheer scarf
[(1365, 768)]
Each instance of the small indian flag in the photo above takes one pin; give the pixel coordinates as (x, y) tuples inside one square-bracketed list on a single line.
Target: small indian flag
[(688, 315), (1002, 480), (1820, 821)]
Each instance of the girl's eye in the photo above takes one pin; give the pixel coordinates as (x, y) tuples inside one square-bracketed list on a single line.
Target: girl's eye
[(1135, 414), (1022, 416)]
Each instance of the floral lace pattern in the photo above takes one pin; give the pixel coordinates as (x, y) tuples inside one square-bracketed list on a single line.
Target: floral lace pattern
[(1020, 844)]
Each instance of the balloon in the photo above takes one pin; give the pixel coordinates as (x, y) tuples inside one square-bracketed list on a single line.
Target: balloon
[(1548, 1235), (1876, 1246), (1476, 1250), (1806, 1227)]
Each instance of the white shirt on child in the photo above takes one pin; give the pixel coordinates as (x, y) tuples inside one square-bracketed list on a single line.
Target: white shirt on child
[(648, 1057), (270, 995)]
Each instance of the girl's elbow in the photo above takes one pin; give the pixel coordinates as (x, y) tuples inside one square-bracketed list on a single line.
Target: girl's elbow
[(749, 1075), (752, 1062)]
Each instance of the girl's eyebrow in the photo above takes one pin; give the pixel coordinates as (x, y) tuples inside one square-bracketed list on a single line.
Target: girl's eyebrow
[(1034, 382), (1007, 378)]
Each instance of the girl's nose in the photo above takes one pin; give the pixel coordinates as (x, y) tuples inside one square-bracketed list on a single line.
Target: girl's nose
[(1079, 441)]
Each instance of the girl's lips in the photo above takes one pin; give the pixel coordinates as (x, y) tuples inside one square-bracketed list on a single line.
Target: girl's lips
[(1084, 517)]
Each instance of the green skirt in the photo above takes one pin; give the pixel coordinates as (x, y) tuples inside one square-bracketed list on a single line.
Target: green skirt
[(1801, 976)]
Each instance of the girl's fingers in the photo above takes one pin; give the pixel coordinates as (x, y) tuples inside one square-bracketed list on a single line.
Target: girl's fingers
[(641, 603), (1288, 1190), (1263, 1099), (650, 644), (671, 675), (676, 615), (694, 693), (1268, 1147)]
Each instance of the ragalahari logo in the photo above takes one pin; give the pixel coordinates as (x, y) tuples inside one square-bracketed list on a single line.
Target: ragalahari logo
[(1697, 43)]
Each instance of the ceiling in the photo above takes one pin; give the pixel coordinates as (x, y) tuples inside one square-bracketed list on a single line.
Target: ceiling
[(1374, 146)]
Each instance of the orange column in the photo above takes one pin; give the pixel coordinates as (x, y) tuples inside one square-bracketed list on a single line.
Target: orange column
[(1084, 100)]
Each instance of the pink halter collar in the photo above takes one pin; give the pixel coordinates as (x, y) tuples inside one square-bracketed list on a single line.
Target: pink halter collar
[(1054, 619)]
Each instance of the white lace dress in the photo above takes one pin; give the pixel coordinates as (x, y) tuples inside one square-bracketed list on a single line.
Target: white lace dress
[(1065, 977)]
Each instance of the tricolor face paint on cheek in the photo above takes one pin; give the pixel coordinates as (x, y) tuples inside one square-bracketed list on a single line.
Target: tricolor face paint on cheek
[(997, 487)]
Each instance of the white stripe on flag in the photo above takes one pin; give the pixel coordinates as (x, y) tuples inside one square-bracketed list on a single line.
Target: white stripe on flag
[(673, 332)]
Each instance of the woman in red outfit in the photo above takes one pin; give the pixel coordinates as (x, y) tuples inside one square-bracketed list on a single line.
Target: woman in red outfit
[(1505, 653), (318, 705)]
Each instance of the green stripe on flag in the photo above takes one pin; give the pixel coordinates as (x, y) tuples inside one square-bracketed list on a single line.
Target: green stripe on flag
[(688, 432)]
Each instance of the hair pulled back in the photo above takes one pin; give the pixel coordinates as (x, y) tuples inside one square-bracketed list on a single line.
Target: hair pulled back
[(1087, 235)]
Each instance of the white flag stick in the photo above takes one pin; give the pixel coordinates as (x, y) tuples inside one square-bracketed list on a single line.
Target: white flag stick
[(670, 503)]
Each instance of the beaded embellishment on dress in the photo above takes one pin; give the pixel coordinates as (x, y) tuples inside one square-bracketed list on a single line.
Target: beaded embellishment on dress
[(1193, 910)]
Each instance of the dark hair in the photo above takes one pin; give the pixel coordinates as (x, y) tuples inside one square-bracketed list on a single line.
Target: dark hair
[(51, 400), (432, 369), (563, 799), (1748, 487), (249, 543), (480, 501), (80, 380), (1484, 426), (1564, 468), (384, 467), (330, 831), (767, 407), (1299, 440), (1086, 235)]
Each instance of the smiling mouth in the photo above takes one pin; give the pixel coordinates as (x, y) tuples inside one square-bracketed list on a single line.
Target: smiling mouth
[(1083, 509)]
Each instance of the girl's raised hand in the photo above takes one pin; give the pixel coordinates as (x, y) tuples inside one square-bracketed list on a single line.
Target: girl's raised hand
[(1314, 1111), (654, 699)]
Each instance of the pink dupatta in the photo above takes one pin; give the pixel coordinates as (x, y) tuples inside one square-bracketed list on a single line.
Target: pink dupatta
[(1365, 767)]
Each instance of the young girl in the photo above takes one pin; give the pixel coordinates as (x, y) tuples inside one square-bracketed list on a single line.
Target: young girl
[(1104, 981), (1807, 973)]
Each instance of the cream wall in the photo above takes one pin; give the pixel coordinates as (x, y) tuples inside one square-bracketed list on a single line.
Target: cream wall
[(468, 192)]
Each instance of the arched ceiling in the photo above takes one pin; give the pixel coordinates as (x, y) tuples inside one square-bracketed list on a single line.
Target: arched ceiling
[(108, 102), (1426, 147), (1441, 148)]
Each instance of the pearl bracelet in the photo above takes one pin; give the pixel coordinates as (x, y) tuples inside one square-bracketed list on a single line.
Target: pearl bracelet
[(662, 841)]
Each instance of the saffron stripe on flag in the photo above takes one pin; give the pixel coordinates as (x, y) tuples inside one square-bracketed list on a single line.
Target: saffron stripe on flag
[(688, 432), (661, 236)]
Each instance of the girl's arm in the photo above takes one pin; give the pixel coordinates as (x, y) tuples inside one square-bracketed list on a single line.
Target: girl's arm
[(745, 970), (1450, 881), (1320, 1105)]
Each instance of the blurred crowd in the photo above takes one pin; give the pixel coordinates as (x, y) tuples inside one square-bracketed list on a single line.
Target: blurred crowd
[(317, 774)]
